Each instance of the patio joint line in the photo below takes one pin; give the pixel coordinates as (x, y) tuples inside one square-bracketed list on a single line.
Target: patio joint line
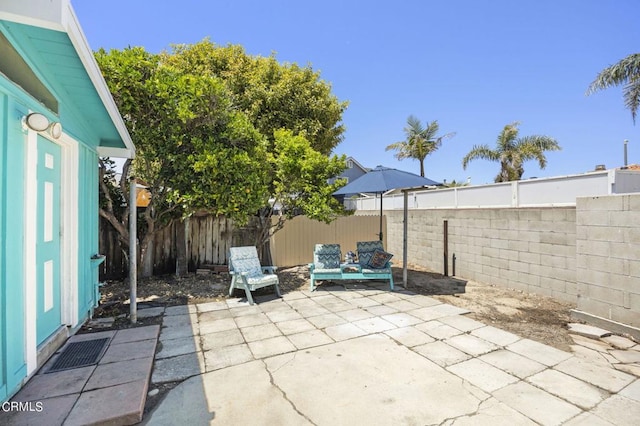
[(284, 394)]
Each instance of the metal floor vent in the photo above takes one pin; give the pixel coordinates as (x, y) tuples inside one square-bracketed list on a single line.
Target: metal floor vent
[(80, 354)]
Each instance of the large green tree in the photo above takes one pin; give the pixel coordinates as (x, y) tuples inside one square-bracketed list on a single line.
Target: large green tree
[(273, 95), (193, 148), (277, 97), (512, 151), (197, 148), (624, 73), (420, 141)]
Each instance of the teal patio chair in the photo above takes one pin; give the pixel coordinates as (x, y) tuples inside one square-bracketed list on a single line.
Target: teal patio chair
[(247, 273)]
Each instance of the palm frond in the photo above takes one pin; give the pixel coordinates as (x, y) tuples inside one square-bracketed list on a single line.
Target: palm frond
[(480, 152), (632, 96), (617, 74)]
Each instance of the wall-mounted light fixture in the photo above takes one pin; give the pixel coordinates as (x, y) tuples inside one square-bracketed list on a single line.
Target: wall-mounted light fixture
[(40, 123)]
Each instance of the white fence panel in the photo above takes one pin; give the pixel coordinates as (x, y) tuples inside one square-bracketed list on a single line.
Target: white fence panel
[(561, 191), (494, 195), (554, 191)]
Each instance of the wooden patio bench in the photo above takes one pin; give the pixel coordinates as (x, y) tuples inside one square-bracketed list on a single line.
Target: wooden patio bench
[(373, 264)]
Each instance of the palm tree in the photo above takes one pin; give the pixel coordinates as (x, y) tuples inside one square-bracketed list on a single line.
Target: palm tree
[(512, 151), (420, 141), (627, 73)]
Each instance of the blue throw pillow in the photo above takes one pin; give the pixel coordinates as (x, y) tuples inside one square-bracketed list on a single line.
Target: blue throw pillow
[(379, 259)]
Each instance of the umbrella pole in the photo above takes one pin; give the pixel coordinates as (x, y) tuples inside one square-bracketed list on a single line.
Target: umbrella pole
[(380, 216)]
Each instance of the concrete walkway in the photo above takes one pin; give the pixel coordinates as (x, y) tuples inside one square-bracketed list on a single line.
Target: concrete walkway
[(368, 356), (112, 392)]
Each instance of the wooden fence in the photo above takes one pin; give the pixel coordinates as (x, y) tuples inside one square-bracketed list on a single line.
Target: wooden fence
[(293, 245), (208, 239)]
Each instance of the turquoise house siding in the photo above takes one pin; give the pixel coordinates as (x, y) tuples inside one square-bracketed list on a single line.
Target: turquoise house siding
[(12, 271), (47, 183), (88, 228)]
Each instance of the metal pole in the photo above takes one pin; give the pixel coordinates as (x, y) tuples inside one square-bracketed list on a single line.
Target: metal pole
[(133, 270), (446, 248), (625, 153), (404, 239), (380, 216)]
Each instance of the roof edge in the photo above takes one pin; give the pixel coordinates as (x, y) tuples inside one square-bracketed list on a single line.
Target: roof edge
[(59, 15)]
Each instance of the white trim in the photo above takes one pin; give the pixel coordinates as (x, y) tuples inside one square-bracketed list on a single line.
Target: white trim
[(69, 229), (68, 238), (30, 237), (58, 15)]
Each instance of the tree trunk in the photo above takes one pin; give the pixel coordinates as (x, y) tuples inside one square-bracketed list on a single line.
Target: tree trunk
[(182, 267), (146, 256)]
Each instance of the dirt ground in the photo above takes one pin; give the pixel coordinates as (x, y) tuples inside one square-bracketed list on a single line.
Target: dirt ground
[(536, 317)]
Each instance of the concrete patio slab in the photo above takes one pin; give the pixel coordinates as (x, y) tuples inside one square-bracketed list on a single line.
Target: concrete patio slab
[(294, 326), (54, 411), (536, 404), (271, 346), (471, 345), (588, 330), (179, 320), (168, 333), (178, 368), (438, 330), (598, 375), (344, 331), (259, 332), (495, 335), (618, 410), (310, 338), (401, 319), (632, 391), (227, 356), (129, 350), (221, 339), (409, 336), (175, 347), (374, 325), (214, 315), (355, 314), (461, 322), (180, 310), (587, 419), (513, 363), (50, 385), (365, 388), (324, 321), (283, 315), (253, 319), (480, 374), (211, 306), (619, 342), (568, 388), (115, 373), (214, 326), (118, 404), (441, 353), (242, 394), (538, 352), (493, 412)]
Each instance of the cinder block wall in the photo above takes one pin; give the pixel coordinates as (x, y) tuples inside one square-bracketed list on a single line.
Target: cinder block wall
[(608, 257), (529, 249)]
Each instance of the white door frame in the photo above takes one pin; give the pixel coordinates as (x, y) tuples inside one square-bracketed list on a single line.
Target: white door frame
[(68, 237)]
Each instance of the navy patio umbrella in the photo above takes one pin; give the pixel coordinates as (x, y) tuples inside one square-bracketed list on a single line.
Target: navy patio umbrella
[(383, 179)]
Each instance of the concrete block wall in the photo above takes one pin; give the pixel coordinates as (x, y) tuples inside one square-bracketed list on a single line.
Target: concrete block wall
[(608, 257), (529, 249)]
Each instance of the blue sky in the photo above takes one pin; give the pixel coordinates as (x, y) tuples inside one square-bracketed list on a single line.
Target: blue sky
[(473, 65)]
